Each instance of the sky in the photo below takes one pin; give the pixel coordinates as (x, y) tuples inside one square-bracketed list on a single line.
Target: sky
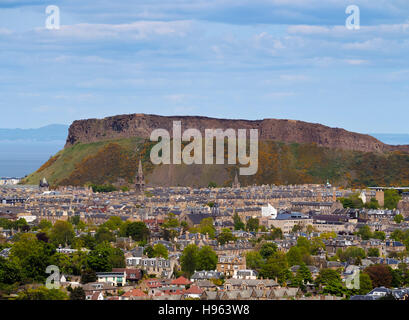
[(246, 59)]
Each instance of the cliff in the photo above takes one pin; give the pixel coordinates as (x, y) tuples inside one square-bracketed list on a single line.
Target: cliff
[(288, 131)]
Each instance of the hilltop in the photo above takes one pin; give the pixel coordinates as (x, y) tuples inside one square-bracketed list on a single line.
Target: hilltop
[(290, 152)]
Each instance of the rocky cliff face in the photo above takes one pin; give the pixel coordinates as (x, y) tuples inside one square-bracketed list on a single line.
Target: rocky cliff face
[(141, 125)]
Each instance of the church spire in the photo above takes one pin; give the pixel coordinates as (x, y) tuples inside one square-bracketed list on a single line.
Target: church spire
[(236, 183), (140, 180)]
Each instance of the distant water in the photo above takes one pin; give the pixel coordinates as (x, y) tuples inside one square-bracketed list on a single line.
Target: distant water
[(22, 157), (392, 138)]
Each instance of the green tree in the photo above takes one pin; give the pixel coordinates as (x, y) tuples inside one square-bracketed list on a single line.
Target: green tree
[(398, 218), (379, 235), (149, 252), (268, 249), (252, 224), (104, 257), (365, 232), (352, 254), (42, 293), (365, 283), (212, 185), (33, 256), (10, 271), (159, 250), (303, 276), (137, 230), (238, 224), (188, 259), (103, 234), (88, 276), (206, 227), (171, 221), (226, 236), (296, 228), (373, 252), (113, 223), (372, 204), (206, 259), (294, 256), (391, 199), (276, 267), (330, 282), (62, 233), (45, 225), (254, 260)]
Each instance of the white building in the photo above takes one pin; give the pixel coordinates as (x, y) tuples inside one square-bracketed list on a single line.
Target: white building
[(269, 211)]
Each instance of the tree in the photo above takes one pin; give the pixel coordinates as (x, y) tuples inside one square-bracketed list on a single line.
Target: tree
[(398, 218), (88, 276), (226, 236), (62, 233), (188, 259), (10, 271), (113, 223), (33, 256), (294, 256), (77, 293), (379, 235), (380, 275), (212, 185), (137, 230), (391, 199), (372, 204), (297, 228), (268, 249), (397, 278), (276, 266), (103, 234), (373, 252), (351, 254), (149, 252), (254, 260), (303, 276), (365, 283), (206, 227), (170, 222), (42, 293), (159, 250), (104, 257), (252, 224), (42, 236), (89, 241), (238, 224), (206, 259), (365, 232), (45, 225), (330, 281)]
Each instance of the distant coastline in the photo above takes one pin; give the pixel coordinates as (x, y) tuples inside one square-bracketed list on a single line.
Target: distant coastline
[(392, 138)]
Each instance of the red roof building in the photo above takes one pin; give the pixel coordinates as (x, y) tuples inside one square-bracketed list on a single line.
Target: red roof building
[(181, 281)]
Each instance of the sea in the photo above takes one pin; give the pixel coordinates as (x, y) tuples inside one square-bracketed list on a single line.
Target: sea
[(22, 157), (19, 158)]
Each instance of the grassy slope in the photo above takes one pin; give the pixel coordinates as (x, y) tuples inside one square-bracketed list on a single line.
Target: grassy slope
[(279, 163), (68, 158)]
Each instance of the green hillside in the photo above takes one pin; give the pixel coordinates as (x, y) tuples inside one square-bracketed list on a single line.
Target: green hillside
[(115, 162)]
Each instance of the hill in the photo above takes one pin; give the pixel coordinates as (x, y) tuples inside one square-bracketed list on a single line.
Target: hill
[(114, 161)]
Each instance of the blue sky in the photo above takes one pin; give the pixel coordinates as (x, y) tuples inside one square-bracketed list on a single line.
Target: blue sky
[(250, 59)]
